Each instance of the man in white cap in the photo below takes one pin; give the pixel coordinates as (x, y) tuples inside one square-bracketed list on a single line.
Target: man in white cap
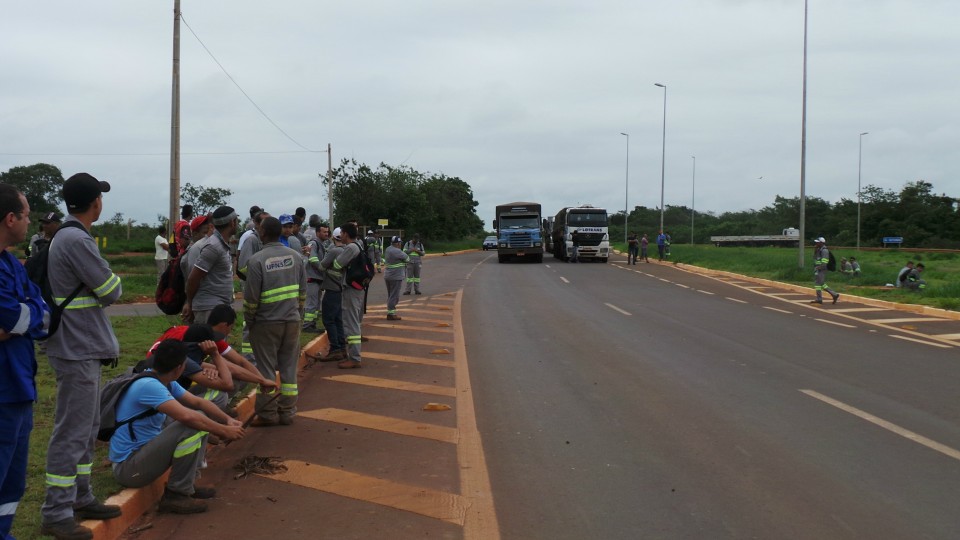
[(821, 257)]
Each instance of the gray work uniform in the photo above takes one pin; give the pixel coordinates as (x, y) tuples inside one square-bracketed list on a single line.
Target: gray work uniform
[(415, 250), (331, 307), (821, 256), (217, 286), (311, 315), (273, 297), (251, 245), (76, 350), (396, 262), (352, 302)]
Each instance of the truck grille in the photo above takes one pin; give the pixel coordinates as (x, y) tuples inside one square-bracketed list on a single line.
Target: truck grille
[(520, 240), (590, 239)]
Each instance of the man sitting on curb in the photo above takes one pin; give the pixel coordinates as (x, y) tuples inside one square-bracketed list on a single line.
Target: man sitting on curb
[(215, 380), (144, 457)]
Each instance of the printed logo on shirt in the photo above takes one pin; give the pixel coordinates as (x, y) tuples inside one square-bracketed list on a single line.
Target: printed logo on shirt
[(274, 264)]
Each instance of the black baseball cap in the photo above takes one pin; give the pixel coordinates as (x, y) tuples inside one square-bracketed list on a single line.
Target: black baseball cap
[(50, 217), (82, 189)]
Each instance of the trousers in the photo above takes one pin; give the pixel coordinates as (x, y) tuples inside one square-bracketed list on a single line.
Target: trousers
[(277, 347), (352, 303), (331, 310), (178, 447), (16, 422), (393, 294), (413, 274)]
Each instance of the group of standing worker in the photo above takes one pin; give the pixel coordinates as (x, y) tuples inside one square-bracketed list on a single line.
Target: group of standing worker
[(292, 283)]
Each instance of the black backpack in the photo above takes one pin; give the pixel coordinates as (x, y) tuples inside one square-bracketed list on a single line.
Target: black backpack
[(831, 262), (172, 288), (36, 267), (110, 395), (360, 270)]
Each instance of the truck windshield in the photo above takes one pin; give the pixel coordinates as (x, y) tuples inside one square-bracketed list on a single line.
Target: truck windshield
[(583, 219), (519, 222)]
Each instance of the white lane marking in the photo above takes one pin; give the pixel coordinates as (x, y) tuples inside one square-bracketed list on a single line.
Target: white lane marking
[(915, 340), (778, 310), (705, 292), (858, 309), (615, 308), (836, 323), (665, 280), (889, 426), (909, 319), (682, 285), (737, 300), (563, 279), (948, 336), (546, 266)]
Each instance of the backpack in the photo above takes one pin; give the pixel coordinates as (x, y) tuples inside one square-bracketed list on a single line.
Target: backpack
[(36, 267), (172, 288), (110, 395), (831, 263), (360, 270)]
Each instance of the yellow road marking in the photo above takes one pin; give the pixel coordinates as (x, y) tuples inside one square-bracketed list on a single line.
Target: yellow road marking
[(480, 523), (426, 502), (407, 359), (412, 341), (909, 319), (384, 423), (889, 426), (419, 329), (948, 336), (915, 340), (395, 385), (427, 311)]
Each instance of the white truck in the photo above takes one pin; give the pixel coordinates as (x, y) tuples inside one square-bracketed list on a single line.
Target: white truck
[(789, 238), (591, 227)]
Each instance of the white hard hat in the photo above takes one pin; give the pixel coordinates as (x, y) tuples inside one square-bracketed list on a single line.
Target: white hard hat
[(336, 233)]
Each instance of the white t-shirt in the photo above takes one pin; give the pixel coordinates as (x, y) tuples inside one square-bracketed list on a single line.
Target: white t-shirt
[(161, 254)]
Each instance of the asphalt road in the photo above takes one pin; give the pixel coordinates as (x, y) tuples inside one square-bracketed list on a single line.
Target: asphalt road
[(656, 403), (610, 402)]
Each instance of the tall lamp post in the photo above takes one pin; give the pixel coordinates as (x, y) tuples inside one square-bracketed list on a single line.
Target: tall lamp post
[(693, 198), (859, 167), (626, 191), (803, 146), (663, 155)]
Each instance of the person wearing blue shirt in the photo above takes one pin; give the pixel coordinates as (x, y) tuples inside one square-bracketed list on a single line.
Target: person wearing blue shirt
[(661, 245), (23, 316), (142, 454)]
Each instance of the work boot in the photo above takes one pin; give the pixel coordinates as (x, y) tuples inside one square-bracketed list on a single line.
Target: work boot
[(66, 529), (406, 292), (349, 364), (286, 420), (418, 292), (264, 422), (334, 356), (178, 503), (97, 510), (836, 297), (393, 317), (201, 492), (816, 301)]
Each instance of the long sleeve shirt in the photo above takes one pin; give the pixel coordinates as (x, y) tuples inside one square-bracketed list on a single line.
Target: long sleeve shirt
[(23, 315), (276, 285)]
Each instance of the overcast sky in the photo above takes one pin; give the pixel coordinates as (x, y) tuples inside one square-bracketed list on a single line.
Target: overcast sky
[(523, 100)]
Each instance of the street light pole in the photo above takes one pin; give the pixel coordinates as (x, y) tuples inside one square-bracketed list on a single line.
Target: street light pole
[(859, 167), (663, 155), (803, 144), (626, 191), (693, 198)]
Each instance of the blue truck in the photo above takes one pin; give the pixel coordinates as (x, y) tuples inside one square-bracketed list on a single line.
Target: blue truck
[(519, 232)]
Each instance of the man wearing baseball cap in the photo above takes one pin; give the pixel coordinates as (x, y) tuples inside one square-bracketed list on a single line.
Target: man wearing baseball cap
[(210, 281), (49, 224), (84, 342)]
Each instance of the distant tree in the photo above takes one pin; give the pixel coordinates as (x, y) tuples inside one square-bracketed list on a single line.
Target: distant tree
[(204, 199), (40, 184)]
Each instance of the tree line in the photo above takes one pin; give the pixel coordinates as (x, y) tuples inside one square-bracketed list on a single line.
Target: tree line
[(923, 218)]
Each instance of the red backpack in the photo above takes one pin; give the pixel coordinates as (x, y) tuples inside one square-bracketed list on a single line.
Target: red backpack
[(172, 288)]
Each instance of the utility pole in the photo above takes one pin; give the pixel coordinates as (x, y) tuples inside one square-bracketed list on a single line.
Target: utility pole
[(803, 146), (330, 186), (175, 124)]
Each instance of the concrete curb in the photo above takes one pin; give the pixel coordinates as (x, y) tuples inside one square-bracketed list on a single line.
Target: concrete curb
[(134, 502)]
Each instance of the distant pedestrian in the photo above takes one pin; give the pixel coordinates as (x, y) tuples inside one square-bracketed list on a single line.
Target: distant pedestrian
[(22, 312), (181, 230), (49, 224), (161, 251), (661, 245), (396, 261), (854, 267), (644, 242), (666, 244), (414, 248), (914, 282), (575, 241), (821, 256), (633, 248), (84, 343)]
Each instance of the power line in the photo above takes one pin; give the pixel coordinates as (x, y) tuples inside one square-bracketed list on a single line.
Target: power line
[(285, 134), (147, 154)]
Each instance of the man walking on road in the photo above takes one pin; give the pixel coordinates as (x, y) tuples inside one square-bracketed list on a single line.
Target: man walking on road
[(273, 298), (84, 342), (821, 256), (22, 312)]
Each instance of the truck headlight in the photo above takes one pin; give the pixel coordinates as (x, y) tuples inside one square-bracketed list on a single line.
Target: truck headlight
[(606, 237), (536, 244)]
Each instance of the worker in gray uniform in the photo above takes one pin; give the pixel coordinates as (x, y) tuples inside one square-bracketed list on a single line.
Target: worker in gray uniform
[(821, 257), (396, 262), (352, 299), (84, 342), (312, 321), (414, 249), (273, 298), (210, 282)]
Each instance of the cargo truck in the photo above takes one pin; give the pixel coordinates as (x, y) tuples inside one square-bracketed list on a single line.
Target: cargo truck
[(591, 226), (518, 231)]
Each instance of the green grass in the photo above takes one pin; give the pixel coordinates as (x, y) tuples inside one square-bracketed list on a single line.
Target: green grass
[(879, 268)]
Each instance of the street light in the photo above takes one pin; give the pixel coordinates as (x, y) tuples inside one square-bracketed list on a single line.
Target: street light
[(859, 167), (803, 147), (663, 155), (626, 191), (693, 198)]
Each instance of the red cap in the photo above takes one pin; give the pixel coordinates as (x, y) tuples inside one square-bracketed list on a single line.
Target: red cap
[(197, 222)]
